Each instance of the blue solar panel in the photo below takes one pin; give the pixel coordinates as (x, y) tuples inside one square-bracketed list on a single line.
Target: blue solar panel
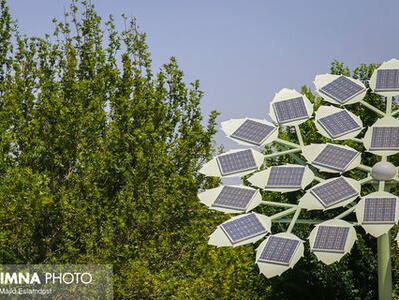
[(342, 89), (331, 239), (234, 198), (278, 250), (253, 132), (333, 192), (243, 228), (385, 138), (379, 210), (285, 176), (236, 162), (339, 123), (387, 80), (290, 110), (335, 157)]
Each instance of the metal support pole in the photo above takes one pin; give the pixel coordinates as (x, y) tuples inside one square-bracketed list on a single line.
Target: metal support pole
[(389, 106), (384, 267), (374, 109)]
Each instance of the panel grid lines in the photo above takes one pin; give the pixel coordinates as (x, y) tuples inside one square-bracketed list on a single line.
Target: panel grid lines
[(234, 198), (285, 176), (236, 162), (379, 210), (335, 157), (333, 192), (253, 132), (387, 80), (339, 123), (331, 239), (342, 89), (279, 250), (290, 110), (385, 138), (243, 228)]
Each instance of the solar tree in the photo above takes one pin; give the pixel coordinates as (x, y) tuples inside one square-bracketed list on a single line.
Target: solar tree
[(329, 240)]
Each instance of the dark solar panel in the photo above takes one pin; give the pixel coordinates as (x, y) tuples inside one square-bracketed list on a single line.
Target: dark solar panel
[(339, 123), (335, 157), (333, 192), (385, 138), (290, 110), (379, 210), (253, 132), (278, 250), (234, 198), (243, 228), (282, 176), (236, 162), (342, 89), (331, 239), (387, 80)]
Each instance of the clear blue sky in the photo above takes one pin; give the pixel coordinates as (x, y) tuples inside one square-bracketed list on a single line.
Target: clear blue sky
[(243, 52)]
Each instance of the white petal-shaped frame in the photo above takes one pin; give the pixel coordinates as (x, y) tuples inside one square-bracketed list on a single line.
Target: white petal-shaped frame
[(230, 126), (325, 111), (331, 257), (220, 239), (260, 180), (311, 151), (286, 94), (376, 229), (208, 198), (383, 122), (388, 65), (310, 202), (211, 168), (324, 79), (271, 269), (397, 238)]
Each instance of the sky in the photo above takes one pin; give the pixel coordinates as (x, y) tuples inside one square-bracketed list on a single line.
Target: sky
[(243, 52)]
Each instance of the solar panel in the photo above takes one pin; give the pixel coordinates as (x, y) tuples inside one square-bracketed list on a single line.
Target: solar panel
[(243, 228), (342, 89), (333, 192), (331, 239), (253, 132), (236, 162), (278, 250), (339, 123), (387, 80), (379, 210), (385, 138), (284, 176), (335, 157), (290, 110), (234, 198)]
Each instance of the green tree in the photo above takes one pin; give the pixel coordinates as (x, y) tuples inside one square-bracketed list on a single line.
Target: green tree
[(99, 158)]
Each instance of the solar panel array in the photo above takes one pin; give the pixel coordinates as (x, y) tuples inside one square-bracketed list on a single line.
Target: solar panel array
[(342, 89), (335, 157), (331, 239), (253, 132), (285, 176), (387, 80), (339, 123), (290, 110), (385, 138), (333, 192), (243, 228), (236, 162), (379, 210), (234, 198), (278, 250)]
